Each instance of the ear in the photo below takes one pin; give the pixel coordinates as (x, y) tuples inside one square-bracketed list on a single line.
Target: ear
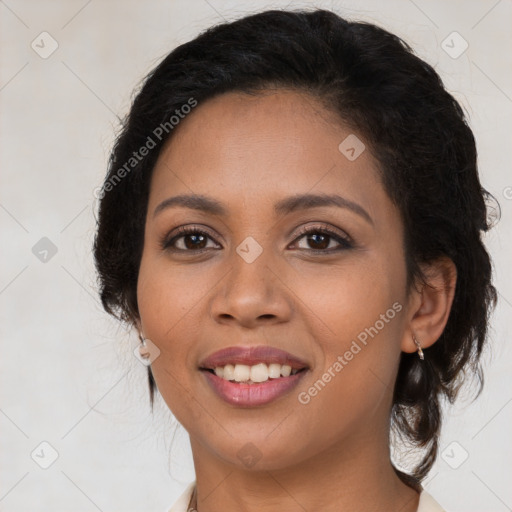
[(430, 304)]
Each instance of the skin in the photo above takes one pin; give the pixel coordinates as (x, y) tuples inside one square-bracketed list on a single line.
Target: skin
[(332, 454)]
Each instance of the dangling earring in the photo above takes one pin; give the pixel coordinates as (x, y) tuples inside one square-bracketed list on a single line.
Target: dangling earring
[(143, 348), (417, 343)]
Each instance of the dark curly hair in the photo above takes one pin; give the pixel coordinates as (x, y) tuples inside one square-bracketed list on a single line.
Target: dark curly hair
[(416, 130)]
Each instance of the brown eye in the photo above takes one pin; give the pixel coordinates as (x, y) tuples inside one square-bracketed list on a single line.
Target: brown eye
[(324, 240), (187, 239), (193, 241), (318, 240)]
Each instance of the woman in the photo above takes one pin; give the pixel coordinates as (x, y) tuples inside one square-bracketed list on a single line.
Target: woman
[(292, 222)]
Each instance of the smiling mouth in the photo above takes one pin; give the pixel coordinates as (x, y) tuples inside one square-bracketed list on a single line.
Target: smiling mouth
[(253, 374)]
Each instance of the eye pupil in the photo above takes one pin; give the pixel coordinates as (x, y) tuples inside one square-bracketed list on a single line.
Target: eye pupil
[(323, 244), (196, 238), (193, 240)]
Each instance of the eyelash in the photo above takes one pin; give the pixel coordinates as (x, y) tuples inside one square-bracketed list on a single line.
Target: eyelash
[(344, 241)]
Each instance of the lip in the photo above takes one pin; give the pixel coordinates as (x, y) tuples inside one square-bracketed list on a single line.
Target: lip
[(251, 356), (252, 395)]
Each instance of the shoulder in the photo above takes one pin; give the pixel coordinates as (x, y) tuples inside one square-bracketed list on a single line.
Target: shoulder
[(428, 503), (181, 504)]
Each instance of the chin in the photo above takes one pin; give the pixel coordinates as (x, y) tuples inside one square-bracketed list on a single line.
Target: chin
[(258, 453)]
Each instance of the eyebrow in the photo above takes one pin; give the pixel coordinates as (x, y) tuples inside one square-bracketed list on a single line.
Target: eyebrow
[(282, 207)]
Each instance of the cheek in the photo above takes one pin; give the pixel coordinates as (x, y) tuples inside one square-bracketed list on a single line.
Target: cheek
[(350, 296), (356, 313), (359, 339), (166, 295), (166, 301)]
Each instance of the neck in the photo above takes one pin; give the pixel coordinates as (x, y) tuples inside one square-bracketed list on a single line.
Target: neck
[(352, 475)]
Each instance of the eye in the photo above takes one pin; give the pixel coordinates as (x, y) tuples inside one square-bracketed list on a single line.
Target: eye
[(321, 237), (192, 240)]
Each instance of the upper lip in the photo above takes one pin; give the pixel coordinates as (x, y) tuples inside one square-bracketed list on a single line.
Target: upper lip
[(251, 356)]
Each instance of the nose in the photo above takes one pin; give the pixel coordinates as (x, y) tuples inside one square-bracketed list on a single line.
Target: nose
[(252, 293)]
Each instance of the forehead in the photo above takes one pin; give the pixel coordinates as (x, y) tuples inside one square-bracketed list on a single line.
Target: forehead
[(269, 144)]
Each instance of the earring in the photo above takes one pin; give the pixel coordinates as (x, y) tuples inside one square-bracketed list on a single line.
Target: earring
[(417, 343), (143, 348)]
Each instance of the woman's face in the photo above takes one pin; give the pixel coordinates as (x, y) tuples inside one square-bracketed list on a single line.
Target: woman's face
[(252, 277)]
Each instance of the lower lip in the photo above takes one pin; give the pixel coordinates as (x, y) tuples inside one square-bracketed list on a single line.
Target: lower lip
[(251, 395)]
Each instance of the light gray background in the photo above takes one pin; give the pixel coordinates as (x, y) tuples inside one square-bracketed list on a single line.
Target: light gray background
[(68, 376)]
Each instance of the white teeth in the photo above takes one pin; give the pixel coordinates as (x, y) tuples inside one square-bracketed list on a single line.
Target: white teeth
[(229, 372), (274, 371), (259, 372), (252, 374), (286, 370), (242, 372)]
